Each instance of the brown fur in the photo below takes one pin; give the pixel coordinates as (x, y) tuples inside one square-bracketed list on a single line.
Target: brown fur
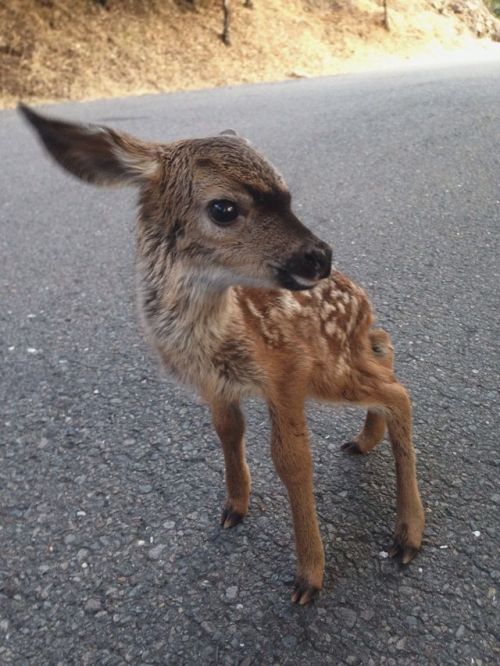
[(212, 304)]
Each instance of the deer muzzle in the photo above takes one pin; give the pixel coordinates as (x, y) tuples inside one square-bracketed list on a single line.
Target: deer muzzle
[(306, 267)]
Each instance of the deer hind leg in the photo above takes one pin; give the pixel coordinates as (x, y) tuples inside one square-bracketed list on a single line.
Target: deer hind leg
[(375, 423), (394, 399), (292, 458), (372, 434), (230, 426)]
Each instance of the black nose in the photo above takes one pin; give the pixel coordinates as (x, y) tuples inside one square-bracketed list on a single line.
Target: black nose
[(318, 260), (306, 266), (313, 262)]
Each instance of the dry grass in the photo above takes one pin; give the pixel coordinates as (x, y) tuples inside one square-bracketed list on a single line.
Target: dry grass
[(52, 49)]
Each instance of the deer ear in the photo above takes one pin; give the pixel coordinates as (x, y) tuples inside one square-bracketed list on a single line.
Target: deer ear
[(95, 153), (229, 132)]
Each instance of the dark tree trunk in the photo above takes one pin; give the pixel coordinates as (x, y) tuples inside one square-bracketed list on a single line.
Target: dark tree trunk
[(386, 16), (226, 9)]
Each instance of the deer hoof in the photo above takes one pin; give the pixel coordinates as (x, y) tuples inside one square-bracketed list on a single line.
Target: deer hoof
[(230, 517), (303, 591), (402, 550)]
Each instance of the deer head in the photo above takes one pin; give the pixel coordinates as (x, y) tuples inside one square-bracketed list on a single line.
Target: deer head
[(222, 208)]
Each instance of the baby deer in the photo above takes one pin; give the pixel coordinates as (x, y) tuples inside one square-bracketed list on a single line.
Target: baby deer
[(238, 298)]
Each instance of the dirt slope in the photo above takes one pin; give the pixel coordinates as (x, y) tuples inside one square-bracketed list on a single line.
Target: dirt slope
[(52, 49)]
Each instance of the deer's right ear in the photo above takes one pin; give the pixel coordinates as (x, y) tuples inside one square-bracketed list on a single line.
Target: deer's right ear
[(95, 153)]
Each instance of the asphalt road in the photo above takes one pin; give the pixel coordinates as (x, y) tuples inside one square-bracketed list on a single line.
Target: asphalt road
[(111, 477)]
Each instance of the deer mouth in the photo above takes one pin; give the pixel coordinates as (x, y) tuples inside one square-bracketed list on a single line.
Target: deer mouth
[(292, 281)]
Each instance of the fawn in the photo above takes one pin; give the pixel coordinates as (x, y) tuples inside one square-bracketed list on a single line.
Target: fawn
[(238, 297)]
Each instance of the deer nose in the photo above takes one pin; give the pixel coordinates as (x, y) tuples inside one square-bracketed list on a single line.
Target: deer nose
[(303, 269), (318, 260)]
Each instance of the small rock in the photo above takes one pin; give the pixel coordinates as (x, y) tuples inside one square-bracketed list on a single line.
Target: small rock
[(401, 644), (289, 641), (155, 553), (383, 554), (93, 605), (412, 621), (347, 616), (4, 625), (145, 489), (298, 74), (82, 554), (69, 539), (232, 592), (460, 631), (169, 524)]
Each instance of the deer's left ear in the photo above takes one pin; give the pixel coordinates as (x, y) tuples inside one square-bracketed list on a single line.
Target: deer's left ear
[(94, 153)]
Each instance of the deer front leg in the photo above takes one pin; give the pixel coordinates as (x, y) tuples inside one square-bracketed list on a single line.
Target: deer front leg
[(292, 459), (230, 426)]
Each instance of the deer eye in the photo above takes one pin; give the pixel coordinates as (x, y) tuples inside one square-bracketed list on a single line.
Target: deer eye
[(223, 212)]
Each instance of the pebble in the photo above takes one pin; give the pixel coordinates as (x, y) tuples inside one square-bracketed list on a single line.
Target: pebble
[(460, 631), (82, 554), (155, 553), (401, 644), (169, 525), (347, 616), (232, 592), (146, 488), (93, 605), (289, 641), (412, 621)]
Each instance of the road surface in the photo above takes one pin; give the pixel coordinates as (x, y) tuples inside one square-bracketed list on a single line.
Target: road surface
[(111, 476)]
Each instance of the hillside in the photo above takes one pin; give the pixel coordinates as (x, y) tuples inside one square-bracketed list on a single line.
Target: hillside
[(56, 50)]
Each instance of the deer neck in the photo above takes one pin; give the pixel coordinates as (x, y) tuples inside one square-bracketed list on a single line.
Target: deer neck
[(185, 313)]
